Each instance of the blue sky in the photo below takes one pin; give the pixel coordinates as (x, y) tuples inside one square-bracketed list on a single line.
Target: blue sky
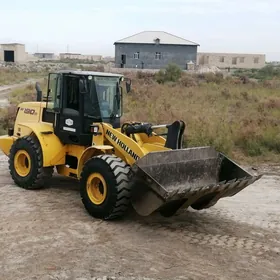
[(91, 27)]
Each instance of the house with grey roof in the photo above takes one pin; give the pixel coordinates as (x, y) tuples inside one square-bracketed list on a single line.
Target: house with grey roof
[(154, 50)]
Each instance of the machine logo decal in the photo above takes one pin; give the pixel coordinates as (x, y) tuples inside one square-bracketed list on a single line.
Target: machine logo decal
[(122, 145), (69, 122), (28, 111)]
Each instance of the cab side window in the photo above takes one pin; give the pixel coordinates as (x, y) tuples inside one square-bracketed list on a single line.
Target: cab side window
[(54, 91), (71, 102), (72, 93)]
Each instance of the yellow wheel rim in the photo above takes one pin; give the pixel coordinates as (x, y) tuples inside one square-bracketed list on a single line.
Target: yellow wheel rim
[(22, 163), (96, 188)]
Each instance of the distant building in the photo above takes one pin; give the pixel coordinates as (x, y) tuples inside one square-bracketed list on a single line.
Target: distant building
[(69, 55), (154, 50), (44, 55), (78, 56), (232, 60), (274, 63), (108, 59), (12, 52)]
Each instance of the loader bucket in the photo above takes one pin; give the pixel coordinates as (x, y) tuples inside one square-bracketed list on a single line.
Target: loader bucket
[(174, 179)]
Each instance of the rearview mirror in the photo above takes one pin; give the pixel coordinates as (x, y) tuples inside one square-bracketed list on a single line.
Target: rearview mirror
[(128, 85)]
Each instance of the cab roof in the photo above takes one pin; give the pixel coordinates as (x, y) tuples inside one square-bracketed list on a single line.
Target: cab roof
[(87, 73)]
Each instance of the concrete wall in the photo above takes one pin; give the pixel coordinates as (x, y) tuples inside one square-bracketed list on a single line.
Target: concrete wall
[(44, 55), (69, 55), (92, 57), (178, 54), (19, 51), (78, 56), (232, 60)]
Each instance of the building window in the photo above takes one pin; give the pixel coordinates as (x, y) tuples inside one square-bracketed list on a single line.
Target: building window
[(234, 60), (242, 59), (136, 55), (158, 55), (222, 59), (256, 60)]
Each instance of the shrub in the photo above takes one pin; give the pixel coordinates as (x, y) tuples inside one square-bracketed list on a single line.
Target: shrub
[(172, 73), (188, 81), (244, 79), (225, 93), (245, 95), (160, 77), (266, 73), (144, 75), (216, 78), (272, 103)]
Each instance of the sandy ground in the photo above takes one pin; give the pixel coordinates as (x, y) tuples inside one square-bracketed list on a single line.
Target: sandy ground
[(47, 234)]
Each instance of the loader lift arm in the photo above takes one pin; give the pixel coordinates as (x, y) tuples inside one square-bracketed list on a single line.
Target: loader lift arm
[(174, 135), (197, 177)]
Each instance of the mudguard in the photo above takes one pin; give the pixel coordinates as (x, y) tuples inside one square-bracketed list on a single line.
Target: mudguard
[(90, 152), (53, 150)]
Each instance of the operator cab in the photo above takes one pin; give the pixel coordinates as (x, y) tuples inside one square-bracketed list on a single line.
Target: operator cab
[(76, 99)]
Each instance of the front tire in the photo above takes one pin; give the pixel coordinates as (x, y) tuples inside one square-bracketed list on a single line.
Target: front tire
[(105, 188), (26, 164)]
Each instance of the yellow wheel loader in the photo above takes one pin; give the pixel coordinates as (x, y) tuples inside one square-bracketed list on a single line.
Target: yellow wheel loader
[(77, 131)]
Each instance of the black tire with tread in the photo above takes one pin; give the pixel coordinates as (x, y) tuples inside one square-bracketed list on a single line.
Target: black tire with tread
[(39, 176), (116, 174)]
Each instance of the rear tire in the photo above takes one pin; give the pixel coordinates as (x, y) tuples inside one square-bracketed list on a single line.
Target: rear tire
[(110, 199), (26, 164)]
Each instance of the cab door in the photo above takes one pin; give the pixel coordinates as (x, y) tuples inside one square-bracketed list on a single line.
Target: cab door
[(65, 107), (70, 120)]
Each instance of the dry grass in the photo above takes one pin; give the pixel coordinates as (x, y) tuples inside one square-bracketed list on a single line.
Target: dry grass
[(238, 117), (12, 76), (26, 93)]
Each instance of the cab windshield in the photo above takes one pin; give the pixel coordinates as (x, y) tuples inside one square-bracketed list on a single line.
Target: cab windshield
[(102, 99)]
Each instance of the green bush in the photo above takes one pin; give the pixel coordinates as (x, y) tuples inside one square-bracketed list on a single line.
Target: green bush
[(266, 73), (172, 73)]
